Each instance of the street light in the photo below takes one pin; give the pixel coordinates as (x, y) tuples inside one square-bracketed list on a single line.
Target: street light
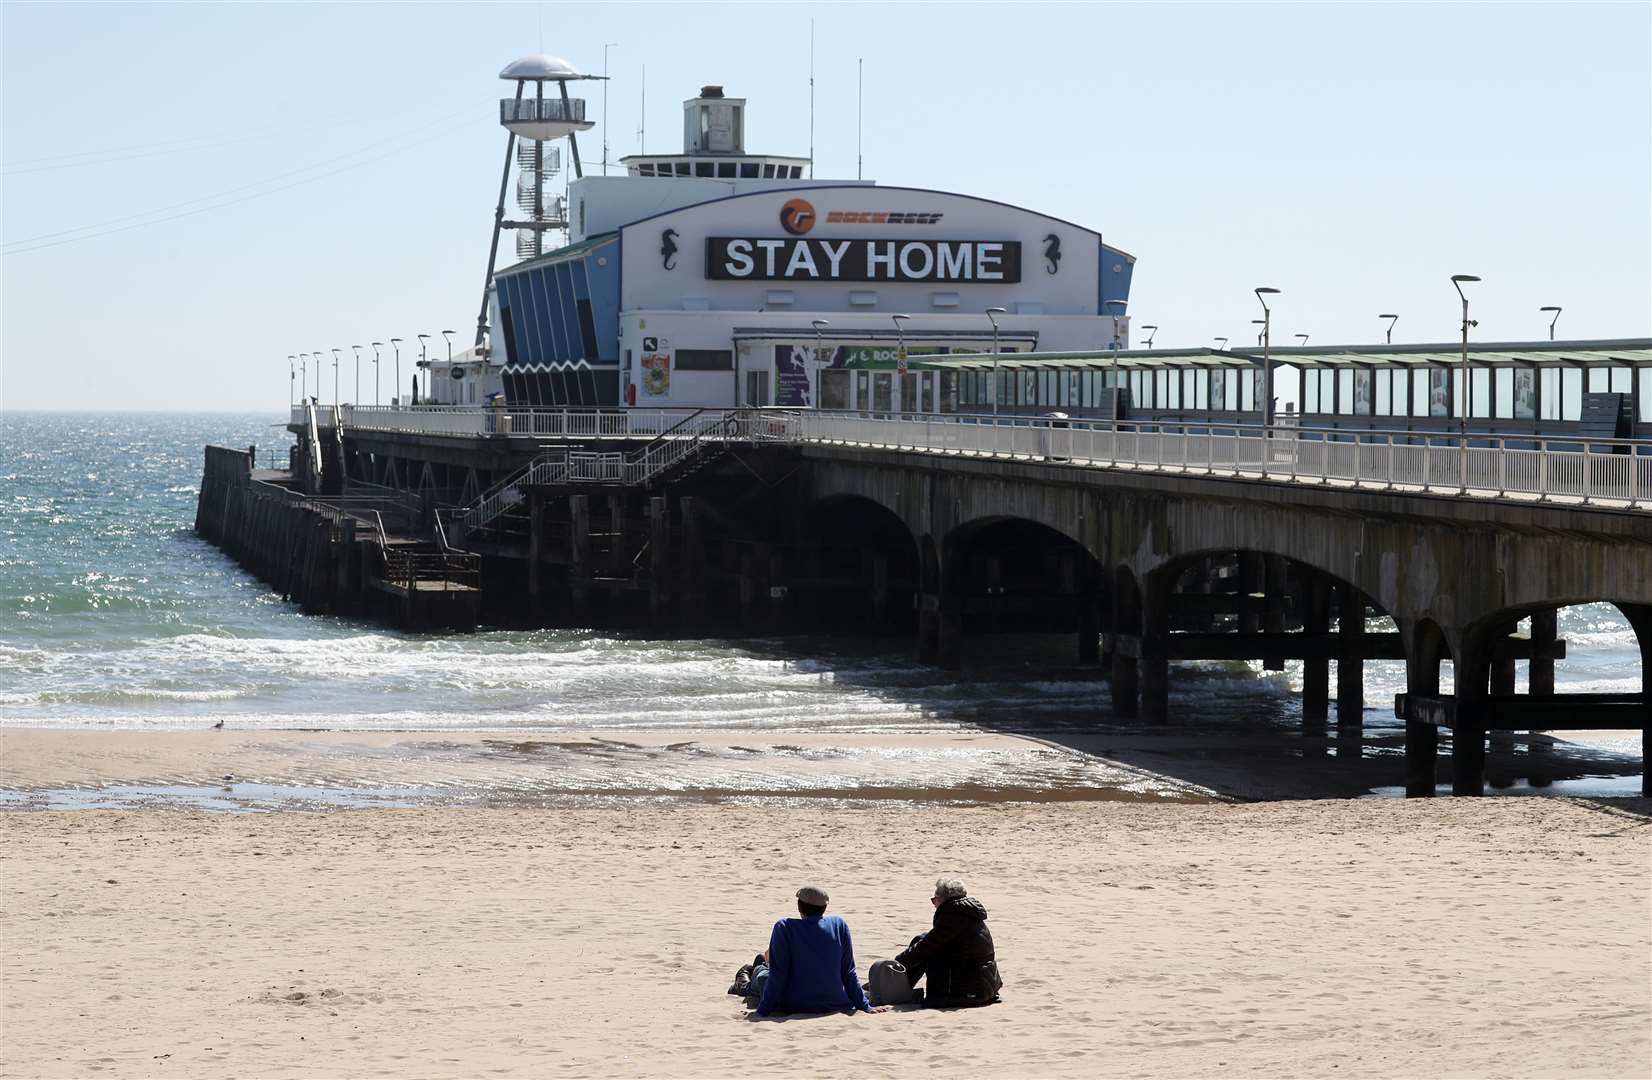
[(997, 390), (1151, 330), (1457, 281), (1302, 341), (1258, 322), (336, 400), (1388, 338), (818, 324), (292, 377), (424, 364), (900, 354), (1552, 321), (1267, 346), (396, 343), (304, 376), (357, 350), (1221, 342), (377, 345), (448, 334)]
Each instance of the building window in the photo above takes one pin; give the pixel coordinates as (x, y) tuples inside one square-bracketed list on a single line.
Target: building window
[(1502, 401), (1310, 391), (705, 360), (748, 170), (1571, 394), (1646, 395)]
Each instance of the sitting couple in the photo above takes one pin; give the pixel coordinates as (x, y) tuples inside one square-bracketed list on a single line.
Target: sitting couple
[(809, 966)]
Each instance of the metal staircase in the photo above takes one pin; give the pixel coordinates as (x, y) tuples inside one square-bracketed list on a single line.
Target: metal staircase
[(687, 444)]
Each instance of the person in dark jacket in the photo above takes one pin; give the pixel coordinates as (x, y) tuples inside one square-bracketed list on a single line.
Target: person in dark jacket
[(957, 954)]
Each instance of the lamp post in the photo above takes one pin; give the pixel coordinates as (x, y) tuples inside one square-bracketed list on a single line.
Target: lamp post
[(335, 378), (304, 376), (292, 377), (1457, 282), (1258, 322), (377, 345), (1267, 346), (424, 365), (818, 324), (1221, 342), (900, 354), (605, 47), (1151, 330), (356, 400), (396, 343), (997, 390), (448, 334), (1552, 321), (1388, 336), (1302, 341)]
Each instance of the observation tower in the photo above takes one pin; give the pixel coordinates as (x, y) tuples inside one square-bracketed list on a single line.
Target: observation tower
[(537, 118)]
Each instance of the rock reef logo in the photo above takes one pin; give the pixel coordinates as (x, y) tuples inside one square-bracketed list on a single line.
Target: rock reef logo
[(797, 216)]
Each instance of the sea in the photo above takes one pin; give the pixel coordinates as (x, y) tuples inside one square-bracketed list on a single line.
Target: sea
[(114, 615)]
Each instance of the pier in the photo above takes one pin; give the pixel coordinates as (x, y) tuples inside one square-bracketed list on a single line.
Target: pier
[(1147, 544)]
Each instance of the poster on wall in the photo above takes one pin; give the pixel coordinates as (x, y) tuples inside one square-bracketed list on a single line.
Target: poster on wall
[(794, 366), (1362, 393), (1437, 378), (1525, 394), (656, 367)]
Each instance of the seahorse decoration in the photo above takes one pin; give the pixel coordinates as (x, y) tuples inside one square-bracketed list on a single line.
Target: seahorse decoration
[(1052, 251), (668, 248)]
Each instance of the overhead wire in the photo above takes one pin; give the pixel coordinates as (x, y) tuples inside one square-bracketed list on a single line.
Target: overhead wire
[(219, 198)]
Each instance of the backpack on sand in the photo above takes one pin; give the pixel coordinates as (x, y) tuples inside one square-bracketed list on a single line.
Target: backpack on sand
[(887, 984)]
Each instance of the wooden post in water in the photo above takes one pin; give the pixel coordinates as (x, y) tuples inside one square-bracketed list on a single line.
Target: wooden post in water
[(660, 585), (692, 605), (1316, 670), (1273, 618), (579, 542)]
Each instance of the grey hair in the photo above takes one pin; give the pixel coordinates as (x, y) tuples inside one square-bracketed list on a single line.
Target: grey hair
[(949, 888)]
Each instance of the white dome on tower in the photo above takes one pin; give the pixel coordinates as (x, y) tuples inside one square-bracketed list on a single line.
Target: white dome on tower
[(540, 68)]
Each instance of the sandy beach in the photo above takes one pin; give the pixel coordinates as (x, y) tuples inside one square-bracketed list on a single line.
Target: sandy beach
[(1494, 937)]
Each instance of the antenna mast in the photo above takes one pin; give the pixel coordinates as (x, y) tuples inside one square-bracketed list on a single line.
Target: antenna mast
[(811, 99), (642, 115), (860, 97)]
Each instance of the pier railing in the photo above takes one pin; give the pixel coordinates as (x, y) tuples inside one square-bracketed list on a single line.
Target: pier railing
[(1610, 472), (1528, 468)]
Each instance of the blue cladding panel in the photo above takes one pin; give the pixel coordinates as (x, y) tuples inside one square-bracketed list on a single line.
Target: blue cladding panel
[(547, 334), (521, 316), (605, 288), (567, 323), (1113, 286)]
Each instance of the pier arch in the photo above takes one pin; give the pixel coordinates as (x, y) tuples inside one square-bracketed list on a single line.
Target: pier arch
[(863, 548)]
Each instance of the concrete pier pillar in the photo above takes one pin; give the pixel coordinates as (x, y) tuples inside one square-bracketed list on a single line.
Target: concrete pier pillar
[(1273, 617), (1545, 630), (1155, 655), (1422, 740), (1316, 671), (1468, 734), (1640, 620), (1126, 684), (1351, 659)]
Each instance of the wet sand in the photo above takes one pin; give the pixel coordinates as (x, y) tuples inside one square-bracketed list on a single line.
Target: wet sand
[(1495, 937)]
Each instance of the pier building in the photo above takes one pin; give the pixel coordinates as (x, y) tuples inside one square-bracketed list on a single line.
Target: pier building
[(738, 399), (721, 277)]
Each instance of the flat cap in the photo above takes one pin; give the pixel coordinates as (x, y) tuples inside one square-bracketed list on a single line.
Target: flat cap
[(813, 894)]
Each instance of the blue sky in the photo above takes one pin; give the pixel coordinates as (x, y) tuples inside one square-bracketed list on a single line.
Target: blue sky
[(1353, 155)]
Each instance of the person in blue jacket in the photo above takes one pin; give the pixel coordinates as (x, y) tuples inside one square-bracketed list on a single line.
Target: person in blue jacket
[(811, 963)]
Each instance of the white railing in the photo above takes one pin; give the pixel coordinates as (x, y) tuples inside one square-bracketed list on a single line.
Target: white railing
[(688, 438), (1613, 472), (1573, 468), (479, 420)]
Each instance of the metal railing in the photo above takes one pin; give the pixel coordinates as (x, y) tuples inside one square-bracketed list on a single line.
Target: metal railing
[(549, 110), (448, 569), (1571, 467), (1614, 472)]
